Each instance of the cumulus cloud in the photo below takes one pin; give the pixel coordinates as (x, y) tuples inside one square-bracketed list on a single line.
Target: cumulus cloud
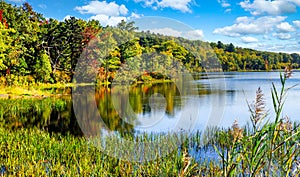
[(282, 36), (250, 25), (248, 39), (244, 19), (107, 13), (275, 7), (108, 20), (192, 34), (285, 27), (297, 23), (113, 20), (182, 5), (103, 8)]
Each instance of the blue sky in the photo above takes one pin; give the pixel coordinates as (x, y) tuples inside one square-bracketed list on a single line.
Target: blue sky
[(258, 24)]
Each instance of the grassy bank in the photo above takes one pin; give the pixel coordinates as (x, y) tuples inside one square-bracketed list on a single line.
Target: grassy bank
[(33, 91), (49, 90)]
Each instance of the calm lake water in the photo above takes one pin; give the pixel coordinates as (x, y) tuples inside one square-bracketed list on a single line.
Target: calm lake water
[(241, 87), (221, 99), (216, 99)]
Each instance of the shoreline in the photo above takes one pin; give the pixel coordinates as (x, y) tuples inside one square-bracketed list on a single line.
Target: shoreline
[(43, 90)]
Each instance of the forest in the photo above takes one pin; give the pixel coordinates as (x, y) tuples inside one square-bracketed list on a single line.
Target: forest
[(34, 49)]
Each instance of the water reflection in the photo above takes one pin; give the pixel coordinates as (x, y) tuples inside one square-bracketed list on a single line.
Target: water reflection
[(126, 109), (57, 114), (50, 114)]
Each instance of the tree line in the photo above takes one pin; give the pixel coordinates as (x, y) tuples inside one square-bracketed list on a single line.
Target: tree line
[(34, 49), (242, 59)]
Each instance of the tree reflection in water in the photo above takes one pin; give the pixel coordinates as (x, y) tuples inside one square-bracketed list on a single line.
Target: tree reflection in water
[(118, 109)]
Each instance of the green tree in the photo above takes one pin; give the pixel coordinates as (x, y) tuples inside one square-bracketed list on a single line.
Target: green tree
[(230, 48), (220, 45), (123, 25), (43, 68), (9, 50)]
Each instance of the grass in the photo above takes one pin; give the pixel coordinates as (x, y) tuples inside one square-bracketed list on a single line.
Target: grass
[(42, 90), (32, 152)]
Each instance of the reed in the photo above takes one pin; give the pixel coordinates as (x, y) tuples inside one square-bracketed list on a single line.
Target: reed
[(270, 148)]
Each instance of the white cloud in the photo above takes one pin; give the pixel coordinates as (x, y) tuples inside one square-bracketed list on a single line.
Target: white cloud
[(244, 19), (107, 13), (282, 36), (297, 23), (297, 2), (248, 39), (283, 46), (103, 8), (224, 3), (108, 20), (135, 15), (182, 5), (250, 25), (147, 2), (166, 31), (285, 27), (192, 34), (67, 17), (275, 7), (114, 20)]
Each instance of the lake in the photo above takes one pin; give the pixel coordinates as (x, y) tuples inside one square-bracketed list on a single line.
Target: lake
[(221, 99), (240, 88), (212, 99)]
